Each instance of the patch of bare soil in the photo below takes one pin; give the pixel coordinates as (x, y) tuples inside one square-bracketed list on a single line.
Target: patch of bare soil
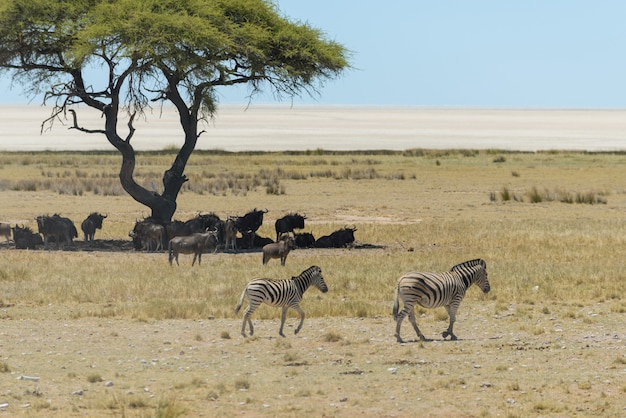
[(519, 362)]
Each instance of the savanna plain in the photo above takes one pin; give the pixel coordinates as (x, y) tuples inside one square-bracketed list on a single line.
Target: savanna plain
[(110, 331)]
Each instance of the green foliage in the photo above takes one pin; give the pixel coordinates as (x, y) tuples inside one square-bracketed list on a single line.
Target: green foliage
[(163, 46)]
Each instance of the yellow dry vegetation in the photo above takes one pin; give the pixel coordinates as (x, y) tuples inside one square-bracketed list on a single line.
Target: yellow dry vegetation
[(548, 340)]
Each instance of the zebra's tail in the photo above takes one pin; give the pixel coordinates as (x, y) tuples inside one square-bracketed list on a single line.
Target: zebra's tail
[(243, 295), (396, 305)]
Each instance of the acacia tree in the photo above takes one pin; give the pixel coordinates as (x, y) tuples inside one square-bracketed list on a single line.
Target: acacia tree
[(158, 51)]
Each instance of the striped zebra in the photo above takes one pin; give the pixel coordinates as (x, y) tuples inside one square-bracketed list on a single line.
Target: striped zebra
[(284, 293), (432, 290)]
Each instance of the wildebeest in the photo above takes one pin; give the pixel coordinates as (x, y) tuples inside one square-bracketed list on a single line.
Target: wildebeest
[(193, 244), (202, 222), (25, 238), (250, 223), (58, 227), (337, 239), (5, 229), (305, 240), (279, 249), (288, 223), (90, 224), (230, 234), (148, 234), (177, 229)]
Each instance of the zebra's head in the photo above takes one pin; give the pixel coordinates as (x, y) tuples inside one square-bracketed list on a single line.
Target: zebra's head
[(479, 276), (317, 279), (481, 280)]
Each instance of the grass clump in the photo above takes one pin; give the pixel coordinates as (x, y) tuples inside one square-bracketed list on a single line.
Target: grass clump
[(94, 378), (332, 337), (242, 383)]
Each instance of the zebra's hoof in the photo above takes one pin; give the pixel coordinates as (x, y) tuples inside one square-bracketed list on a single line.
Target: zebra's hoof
[(445, 334)]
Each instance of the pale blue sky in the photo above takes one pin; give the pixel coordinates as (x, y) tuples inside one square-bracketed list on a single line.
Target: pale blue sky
[(479, 53)]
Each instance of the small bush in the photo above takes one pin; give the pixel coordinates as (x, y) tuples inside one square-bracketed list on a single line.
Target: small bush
[(332, 337), (242, 384), (4, 367), (94, 378)]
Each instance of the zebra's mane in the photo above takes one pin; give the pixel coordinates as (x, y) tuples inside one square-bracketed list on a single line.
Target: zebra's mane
[(470, 263), (306, 273)]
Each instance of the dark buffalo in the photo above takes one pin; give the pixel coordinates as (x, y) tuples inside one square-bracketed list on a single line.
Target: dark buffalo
[(305, 240), (338, 239), (57, 227), (288, 223), (25, 238), (249, 224), (89, 225)]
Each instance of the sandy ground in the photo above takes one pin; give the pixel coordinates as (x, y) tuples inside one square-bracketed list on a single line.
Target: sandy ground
[(279, 128), (118, 367)]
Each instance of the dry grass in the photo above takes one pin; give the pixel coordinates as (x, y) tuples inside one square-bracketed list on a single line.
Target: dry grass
[(126, 334)]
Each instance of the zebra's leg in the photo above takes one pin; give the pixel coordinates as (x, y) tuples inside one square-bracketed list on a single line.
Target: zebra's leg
[(452, 314), (283, 318), (246, 319), (301, 312), (413, 322), (408, 309)]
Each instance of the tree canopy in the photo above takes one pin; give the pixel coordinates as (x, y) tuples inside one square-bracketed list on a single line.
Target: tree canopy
[(158, 51)]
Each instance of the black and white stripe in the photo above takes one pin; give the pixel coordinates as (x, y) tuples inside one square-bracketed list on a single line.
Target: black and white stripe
[(284, 293), (432, 290)]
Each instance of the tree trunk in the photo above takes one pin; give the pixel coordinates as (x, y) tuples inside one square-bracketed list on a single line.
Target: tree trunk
[(163, 206)]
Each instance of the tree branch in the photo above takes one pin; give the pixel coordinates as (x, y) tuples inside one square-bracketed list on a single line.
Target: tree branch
[(80, 128)]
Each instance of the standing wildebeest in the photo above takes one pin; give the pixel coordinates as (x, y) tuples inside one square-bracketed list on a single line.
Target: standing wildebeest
[(288, 223), (25, 238), (193, 244), (58, 227), (279, 249), (146, 233), (284, 293), (432, 290), (230, 234), (337, 239), (250, 223), (90, 224), (5, 229)]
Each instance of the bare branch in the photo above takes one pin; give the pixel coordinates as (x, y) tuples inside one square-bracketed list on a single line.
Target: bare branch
[(131, 128), (80, 128)]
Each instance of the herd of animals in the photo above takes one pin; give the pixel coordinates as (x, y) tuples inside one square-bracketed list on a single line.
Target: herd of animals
[(205, 232), (208, 233)]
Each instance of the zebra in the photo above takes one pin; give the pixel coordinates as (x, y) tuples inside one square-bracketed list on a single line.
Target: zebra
[(432, 290), (284, 293)]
